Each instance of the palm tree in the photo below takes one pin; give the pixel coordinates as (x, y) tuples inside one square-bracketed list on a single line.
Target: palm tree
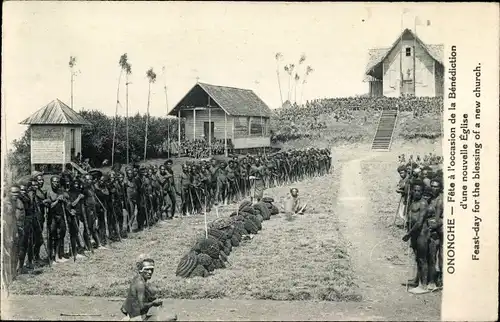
[(72, 64), (309, 70), (279, 57), (297, 78), (302, 59), (166, 106), (125, 66), (151, 78), (289, 69)]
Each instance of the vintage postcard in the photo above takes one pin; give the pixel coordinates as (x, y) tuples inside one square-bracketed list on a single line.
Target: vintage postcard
[(242, 161)]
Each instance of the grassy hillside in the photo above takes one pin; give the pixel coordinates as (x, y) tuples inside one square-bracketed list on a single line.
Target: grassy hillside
[(354, 121)]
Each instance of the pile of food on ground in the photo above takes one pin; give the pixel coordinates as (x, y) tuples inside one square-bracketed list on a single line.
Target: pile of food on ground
[(209, 254)]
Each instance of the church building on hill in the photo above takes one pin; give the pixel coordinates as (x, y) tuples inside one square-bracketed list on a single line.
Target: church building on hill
[(408, 67)]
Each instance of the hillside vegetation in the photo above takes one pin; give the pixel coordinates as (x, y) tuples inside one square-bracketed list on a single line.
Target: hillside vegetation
[(327, 122)]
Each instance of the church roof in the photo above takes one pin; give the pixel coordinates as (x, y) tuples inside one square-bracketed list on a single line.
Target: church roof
[(377, 55)]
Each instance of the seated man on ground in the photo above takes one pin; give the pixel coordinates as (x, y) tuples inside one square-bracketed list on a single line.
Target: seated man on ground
[(294, 205), (141, 296)]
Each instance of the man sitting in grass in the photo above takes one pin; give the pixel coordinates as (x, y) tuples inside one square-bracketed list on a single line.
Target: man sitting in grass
[(141, 297), (293, 205)]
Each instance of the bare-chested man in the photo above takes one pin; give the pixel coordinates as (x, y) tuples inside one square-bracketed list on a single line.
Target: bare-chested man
[(403, 189), (435, 222), (132, 194), (418, 234), (141, 297), (57, 219), (294, 204), (41, 204), (90, 204), (257, 174)]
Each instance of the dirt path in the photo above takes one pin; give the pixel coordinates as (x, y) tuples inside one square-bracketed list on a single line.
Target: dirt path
[(380, 281)]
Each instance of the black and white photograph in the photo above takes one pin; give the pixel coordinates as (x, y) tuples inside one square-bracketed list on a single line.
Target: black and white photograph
[(244, 161)]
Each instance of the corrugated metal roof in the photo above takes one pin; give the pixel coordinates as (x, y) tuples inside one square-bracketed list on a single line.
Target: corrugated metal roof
[(234, 101), (377, 55), (56, 112)]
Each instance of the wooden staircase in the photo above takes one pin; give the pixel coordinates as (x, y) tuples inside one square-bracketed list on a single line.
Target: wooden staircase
[(386, 124)]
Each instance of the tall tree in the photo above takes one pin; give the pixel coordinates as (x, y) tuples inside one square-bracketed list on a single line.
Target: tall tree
[(127, 67), (72, 64), (302, 59), (166, 110), (151, 78), (309, 70), (124, 67), (297, 78), (278, 58), (289, 69)]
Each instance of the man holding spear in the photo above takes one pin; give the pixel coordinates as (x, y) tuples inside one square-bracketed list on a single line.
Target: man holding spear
[(75, 202), (90, 208), (41, 209), (57, 222), (257, 174)]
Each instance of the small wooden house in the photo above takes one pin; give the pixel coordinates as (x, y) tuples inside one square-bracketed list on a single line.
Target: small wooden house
[(56, 134), (408, 67), (237, 116)]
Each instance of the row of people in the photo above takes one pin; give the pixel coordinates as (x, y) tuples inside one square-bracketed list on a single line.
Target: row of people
[(313, 114), (97, 208), (421, 208), (211, 183), (428, 159), (201, 148)]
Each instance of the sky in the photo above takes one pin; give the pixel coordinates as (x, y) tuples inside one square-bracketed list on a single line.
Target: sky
[(232, 44)]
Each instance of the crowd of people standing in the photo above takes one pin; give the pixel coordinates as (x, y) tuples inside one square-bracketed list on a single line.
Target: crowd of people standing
[(97, 208), (421, 209)]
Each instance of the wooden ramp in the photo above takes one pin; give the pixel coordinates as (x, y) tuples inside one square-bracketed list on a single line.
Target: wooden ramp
[(386, 124)]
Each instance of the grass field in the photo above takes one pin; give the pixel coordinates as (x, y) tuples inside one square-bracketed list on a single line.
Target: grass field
[(301, 259), (362, 128)]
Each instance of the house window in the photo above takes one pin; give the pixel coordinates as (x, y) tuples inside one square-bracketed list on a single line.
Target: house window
[(408, 51)]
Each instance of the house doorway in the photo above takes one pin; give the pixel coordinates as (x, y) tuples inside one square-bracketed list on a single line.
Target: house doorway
[(206, 129)]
